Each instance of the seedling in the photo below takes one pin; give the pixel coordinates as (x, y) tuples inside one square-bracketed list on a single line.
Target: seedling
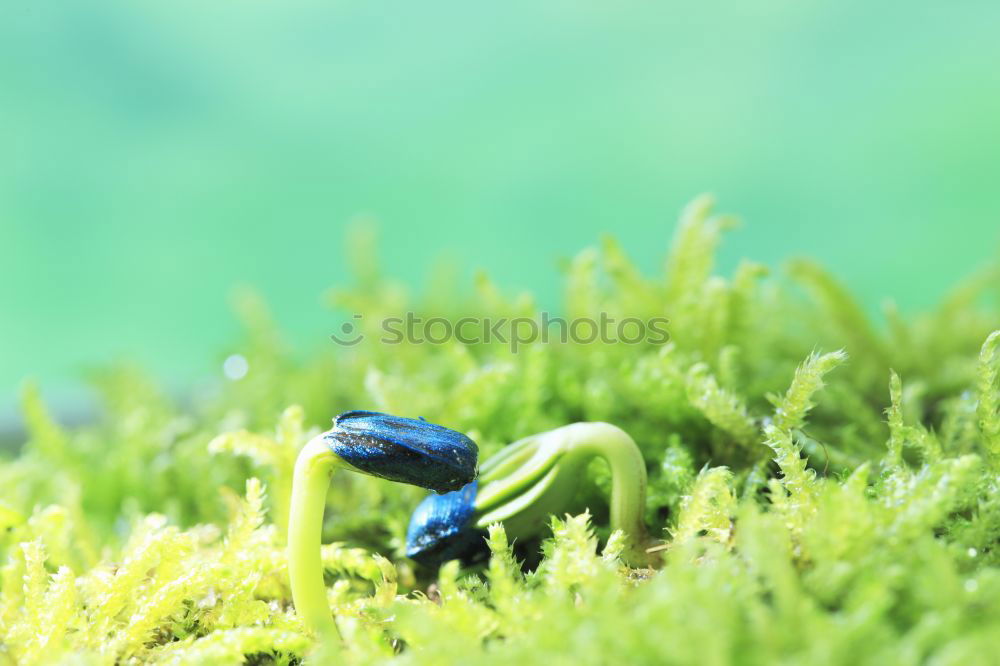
[(526, 482), (389, 447)]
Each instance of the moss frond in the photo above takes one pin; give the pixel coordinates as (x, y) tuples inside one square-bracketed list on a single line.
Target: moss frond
[(989, 396), (710, 508)]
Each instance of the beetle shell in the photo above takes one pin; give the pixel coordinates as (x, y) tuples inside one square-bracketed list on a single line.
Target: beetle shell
[(404, 450), (441, 529)]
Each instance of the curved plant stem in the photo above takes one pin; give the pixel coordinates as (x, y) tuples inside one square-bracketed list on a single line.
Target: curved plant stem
[(628, 479), (311, 481), (539, 476)]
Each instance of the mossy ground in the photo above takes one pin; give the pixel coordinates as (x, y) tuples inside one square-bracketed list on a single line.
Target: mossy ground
[(825, 487)]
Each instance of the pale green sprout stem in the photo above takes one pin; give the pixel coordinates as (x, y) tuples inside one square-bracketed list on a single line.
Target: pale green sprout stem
[(539, 475), (311, 480)]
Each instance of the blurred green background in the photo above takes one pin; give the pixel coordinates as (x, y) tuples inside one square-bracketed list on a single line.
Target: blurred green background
[(155, 155)]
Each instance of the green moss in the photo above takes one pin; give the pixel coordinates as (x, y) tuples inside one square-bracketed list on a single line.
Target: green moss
[(847, 511)]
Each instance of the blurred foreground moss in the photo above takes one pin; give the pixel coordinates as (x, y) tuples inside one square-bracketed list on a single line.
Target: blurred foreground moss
[(825, 487)]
